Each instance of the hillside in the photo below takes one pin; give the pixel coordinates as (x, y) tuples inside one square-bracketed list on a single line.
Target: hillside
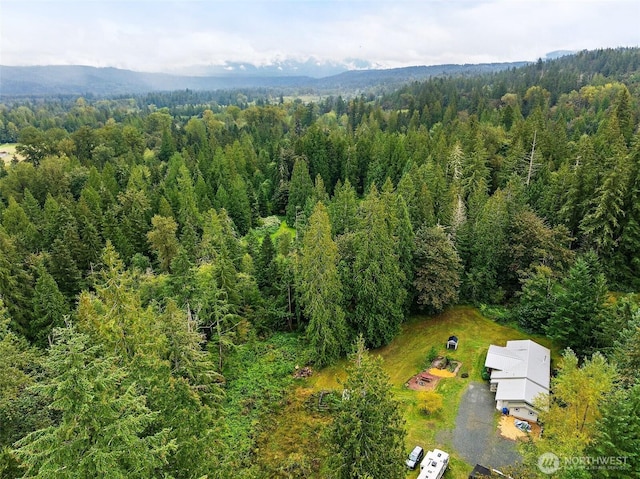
[(105, 82)]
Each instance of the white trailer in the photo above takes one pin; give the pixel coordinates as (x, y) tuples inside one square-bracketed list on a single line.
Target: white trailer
[(434, 464)]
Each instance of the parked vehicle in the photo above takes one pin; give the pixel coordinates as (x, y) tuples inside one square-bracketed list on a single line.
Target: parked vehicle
[(434, 465), (415, 457)]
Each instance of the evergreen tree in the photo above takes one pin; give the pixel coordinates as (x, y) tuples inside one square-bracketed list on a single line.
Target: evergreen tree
[(134, 214), (265, 269), (377, 290), (104, 422), (31, 207), (537, 300), (343, 209), (579, 307), (618, 433), (162, 239), (15, 287), (401, 229), (64, 269), (49, 307), (18, 366), (488, 258), (17, 224), (215, 313), (627, 349), (437, 269), (366, 438), (626, 267), (17, 362), (300, 188), (188, 212), (163, 357), (602, 226), (321, 289)]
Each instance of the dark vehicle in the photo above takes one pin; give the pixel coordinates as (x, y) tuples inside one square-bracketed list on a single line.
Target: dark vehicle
[(415, 457)]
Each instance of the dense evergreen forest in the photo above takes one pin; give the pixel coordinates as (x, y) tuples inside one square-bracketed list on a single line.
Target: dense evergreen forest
[(167, 260)]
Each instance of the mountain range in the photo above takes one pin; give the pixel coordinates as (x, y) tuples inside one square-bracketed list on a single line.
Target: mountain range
[(16, 81)]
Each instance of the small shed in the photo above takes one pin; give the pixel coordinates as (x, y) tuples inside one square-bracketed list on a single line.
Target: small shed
[(452, 342)]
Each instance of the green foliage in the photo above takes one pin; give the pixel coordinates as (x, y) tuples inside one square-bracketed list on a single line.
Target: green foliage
[(430, 402), (300, 188), (618, 433), (432, 355), (163, 240), (376, 282), (437, 269), (321, 289), (520, 170), (49, 307), (572, 413), (17, 361), (343, 208), (367, 434), (579, 307), (258, 374), (103, 426)]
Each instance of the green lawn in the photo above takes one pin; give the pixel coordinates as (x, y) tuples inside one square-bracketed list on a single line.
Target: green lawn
[(10, 150), (406, 356), (283, 229)]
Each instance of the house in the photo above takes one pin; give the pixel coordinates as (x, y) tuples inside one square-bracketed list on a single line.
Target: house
[(519, 372), (434, 465)]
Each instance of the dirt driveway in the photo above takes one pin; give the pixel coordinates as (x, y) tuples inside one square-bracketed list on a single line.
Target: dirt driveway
[(476, 437)]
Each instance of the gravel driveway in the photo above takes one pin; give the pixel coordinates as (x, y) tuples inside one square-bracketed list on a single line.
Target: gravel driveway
[(476, 438)]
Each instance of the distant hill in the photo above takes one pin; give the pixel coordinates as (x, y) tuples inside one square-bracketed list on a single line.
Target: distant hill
[(559, 54), (84, 80)]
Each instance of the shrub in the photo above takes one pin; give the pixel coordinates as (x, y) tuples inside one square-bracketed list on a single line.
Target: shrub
[(430, 402), (432, 355)]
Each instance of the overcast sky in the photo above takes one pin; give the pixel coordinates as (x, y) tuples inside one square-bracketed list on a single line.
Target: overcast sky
[(164, 35)]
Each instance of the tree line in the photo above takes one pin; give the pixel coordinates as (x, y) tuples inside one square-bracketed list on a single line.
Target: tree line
[(142, 247)]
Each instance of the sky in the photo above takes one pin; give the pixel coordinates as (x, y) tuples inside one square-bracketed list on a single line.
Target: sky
[(174, 35)]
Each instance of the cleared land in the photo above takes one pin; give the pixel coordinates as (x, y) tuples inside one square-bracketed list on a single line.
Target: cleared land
[(403, 358), (8, 151)]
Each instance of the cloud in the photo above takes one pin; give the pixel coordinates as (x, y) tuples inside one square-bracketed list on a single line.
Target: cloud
[(169, 35)]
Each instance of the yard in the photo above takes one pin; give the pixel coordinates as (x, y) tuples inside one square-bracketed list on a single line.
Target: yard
[(8, 151), (407, 356)]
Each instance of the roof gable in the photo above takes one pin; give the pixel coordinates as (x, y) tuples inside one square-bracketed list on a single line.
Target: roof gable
[(520, 359)]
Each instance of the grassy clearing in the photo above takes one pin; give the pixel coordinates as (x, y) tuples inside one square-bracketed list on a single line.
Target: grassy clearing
[(283, 229), (9, 151), (405, 357)]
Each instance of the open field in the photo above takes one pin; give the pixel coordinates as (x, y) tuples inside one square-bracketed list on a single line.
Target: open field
[(406, 356), (8, 151)]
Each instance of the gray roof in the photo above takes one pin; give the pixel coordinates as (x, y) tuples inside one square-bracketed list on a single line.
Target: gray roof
[(521, 369)]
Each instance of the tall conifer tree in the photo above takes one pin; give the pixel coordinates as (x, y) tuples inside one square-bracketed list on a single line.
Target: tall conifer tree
[(321, 289)]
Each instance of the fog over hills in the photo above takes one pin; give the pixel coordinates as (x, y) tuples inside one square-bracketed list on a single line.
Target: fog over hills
[(84, 80)]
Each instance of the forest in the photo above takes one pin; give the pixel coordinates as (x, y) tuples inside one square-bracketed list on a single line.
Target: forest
[(167, 260)]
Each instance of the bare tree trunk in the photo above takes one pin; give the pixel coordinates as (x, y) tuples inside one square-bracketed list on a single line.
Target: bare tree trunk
[(533, 150)]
